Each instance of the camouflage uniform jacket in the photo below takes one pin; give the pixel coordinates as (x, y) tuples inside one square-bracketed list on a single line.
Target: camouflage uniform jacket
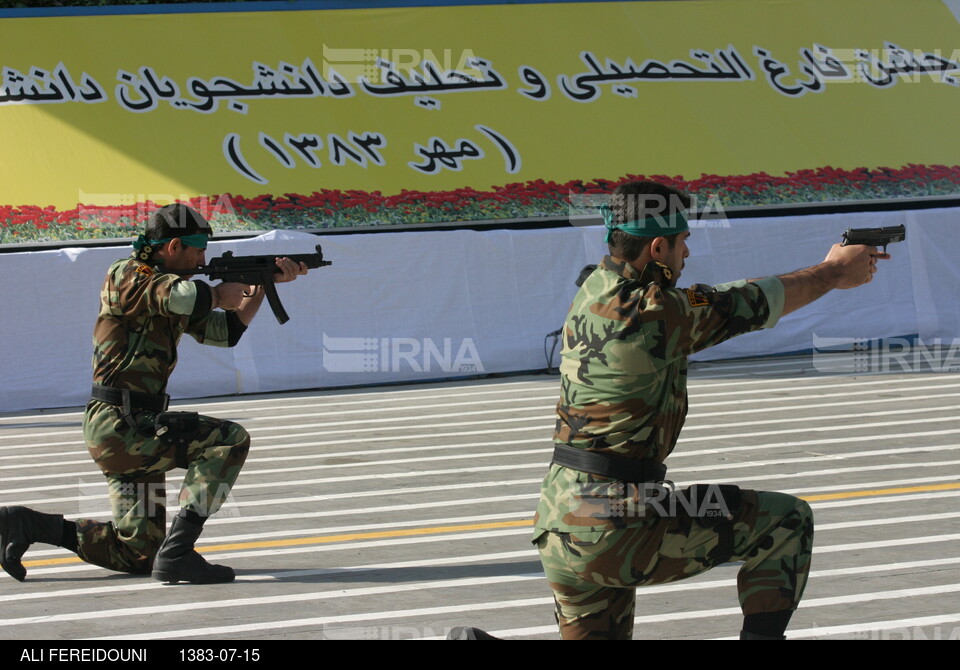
[(143, 314), (624, 373)]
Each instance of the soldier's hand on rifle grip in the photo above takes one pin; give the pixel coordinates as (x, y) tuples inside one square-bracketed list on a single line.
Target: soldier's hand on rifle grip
[(229, 295)]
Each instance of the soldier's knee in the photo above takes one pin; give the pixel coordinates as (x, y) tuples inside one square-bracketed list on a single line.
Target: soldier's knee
[(101, 544), (234, 434), (784, 505), (237, 440), (799, 521), (801, 514)]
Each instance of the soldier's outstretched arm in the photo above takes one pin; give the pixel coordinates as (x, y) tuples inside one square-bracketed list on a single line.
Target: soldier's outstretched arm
[(844, 267)]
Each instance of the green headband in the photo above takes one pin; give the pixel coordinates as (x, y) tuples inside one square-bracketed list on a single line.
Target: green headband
[(651, 226), (197, 240)]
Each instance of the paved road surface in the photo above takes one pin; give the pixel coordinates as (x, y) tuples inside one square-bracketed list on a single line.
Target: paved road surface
[(399, 512)]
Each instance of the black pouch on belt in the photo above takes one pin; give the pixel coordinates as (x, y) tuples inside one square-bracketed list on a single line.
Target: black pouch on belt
[(712, 504), (717, 507), (177, 429)]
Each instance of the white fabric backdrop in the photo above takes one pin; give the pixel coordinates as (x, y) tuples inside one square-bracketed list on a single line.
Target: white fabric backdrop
[(430, 305)]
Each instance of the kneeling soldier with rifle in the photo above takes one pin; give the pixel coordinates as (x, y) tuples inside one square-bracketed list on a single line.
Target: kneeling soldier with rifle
[(146, 304)]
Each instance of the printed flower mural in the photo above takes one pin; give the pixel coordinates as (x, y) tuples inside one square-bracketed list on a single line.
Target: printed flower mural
[(526, 200)]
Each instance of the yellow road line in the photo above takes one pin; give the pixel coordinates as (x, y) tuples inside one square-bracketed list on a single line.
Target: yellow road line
[(882, 492), (408, 532)]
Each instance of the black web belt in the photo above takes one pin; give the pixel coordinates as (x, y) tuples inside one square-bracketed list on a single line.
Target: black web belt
[(130, 400), (608, 465)]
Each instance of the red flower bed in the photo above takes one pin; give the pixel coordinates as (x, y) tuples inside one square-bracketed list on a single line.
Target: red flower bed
[(538, 198)]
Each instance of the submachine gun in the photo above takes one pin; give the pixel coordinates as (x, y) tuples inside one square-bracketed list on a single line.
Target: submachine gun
[(257, 271)]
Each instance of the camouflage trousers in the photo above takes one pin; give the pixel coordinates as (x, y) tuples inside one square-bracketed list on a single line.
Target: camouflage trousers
[(135, 463), (594, 575)]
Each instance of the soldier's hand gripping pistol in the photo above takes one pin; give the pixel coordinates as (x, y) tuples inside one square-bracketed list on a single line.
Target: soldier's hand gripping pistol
[(875, 237), (257, 271)]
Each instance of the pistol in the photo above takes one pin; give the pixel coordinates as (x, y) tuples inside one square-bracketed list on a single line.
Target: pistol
[(875, 237), (256, 271)]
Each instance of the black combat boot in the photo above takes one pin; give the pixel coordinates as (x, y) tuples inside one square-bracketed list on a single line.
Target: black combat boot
[(765, 625), (19, 528), (178, 561), (747, 635)]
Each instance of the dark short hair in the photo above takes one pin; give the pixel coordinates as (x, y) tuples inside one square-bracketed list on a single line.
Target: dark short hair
[(636, 200), (176, 220)]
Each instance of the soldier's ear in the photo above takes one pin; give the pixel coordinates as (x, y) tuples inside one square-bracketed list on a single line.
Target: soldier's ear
[(656, 247)]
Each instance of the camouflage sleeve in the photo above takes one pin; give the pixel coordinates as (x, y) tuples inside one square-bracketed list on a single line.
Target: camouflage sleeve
[(183, 297), (212, 329), (133, 289), (772, 289), (699, 317)]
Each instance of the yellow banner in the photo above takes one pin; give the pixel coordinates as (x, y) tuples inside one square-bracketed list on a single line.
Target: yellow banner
[(740, 97)]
